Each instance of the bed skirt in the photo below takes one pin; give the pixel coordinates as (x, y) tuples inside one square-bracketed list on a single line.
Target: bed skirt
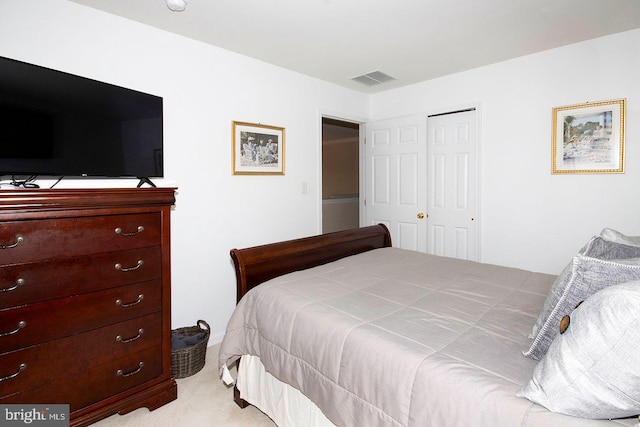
[(284, 404)]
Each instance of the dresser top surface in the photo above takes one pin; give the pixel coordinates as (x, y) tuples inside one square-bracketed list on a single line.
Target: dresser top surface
[(56, 199)]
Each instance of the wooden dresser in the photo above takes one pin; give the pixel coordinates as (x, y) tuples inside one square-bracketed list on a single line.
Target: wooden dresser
[(85, 299)]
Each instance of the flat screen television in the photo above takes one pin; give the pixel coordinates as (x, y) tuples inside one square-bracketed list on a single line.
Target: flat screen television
[(55, 124)]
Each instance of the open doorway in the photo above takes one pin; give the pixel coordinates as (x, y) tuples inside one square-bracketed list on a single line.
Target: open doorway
[(340, 175)]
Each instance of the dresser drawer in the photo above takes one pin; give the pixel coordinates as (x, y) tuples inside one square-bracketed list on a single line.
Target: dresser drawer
[(67, 357), (93, 385), (42, 322), (46, 280), (35, 240)]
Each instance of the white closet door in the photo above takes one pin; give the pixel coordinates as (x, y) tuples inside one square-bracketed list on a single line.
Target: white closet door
[(452, 185), (396, 179)]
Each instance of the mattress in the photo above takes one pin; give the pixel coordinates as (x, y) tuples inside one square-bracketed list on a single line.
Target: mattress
[(394, 338)]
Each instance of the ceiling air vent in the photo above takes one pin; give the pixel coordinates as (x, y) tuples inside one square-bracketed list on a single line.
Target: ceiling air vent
[(373, 78)]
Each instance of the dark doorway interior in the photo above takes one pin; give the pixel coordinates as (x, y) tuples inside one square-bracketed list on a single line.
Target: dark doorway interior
[(340, 175)]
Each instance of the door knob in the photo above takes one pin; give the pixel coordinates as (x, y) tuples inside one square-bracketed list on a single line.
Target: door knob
[(420, 215)]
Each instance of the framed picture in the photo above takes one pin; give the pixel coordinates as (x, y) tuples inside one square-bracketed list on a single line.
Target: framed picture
[(257, 149), (589, 138)]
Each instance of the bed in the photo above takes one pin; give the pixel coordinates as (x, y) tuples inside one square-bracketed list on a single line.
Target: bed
[(344, 329)]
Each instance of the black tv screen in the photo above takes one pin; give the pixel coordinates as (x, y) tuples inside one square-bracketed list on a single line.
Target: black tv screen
[(57, 124)]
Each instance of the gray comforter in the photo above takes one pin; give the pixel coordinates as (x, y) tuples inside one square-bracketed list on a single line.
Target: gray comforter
[(399, 338)]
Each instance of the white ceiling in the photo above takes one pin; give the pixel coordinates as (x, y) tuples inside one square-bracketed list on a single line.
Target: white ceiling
[(410, 40)]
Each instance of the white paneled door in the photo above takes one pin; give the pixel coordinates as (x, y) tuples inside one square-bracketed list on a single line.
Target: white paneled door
[(395, 179), (421, 182), (452, 185)]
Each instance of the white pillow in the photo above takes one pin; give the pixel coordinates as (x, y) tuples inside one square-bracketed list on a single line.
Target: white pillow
[(617, 237), (583, 277), (593, 369)]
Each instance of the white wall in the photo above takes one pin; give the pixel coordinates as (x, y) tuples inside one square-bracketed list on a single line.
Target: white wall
[(529, 217), (204, 90)]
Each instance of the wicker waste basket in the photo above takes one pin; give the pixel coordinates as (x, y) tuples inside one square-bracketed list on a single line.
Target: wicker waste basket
[(189, 349)]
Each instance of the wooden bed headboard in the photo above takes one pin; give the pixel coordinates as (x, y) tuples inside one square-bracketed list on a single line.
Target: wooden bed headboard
[(258, 264)]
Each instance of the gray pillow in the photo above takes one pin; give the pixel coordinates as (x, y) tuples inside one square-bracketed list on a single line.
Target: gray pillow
[(597, 247), (583, 277), (617, 237), (560, 282), (591, 371), (601, 248)]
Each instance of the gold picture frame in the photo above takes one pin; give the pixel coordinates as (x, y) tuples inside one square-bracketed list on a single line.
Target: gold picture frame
[(589, 138), (258, 149)]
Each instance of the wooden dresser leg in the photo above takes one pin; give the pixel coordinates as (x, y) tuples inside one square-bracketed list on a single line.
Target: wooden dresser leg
[(239, 401)]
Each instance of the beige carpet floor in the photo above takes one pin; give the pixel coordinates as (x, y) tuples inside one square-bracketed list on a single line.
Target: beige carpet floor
[(203, 400)]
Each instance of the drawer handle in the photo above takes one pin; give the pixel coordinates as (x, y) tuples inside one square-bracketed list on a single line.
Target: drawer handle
[(19, 240), (119, 266), (21, 368), (120, 373), (126, 340), (21, 324), (19, 283), (121, 304), (139, 230)]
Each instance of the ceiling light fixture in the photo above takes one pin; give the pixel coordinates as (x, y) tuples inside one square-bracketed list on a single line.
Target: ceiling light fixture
[(177, 5)]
